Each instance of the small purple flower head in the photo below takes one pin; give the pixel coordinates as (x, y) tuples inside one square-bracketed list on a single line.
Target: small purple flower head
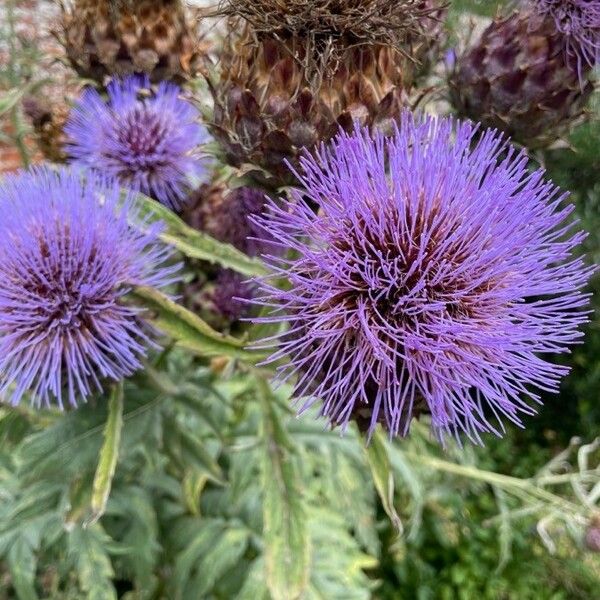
[(435, 272), (579, 22), (67, 257), (231, 294), (147, 141)]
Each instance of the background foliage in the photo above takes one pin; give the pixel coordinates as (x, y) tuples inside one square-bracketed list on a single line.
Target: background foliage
[(219, 491)]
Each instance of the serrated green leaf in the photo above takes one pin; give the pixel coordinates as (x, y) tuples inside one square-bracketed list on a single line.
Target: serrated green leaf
[(223, 555), (196, 244), (188, 330), (287, 544), (198, 455), (254, 587), (87, 548), (206, 536), (22, 565), (71, 445), (383, 477), (140, 535), (339, 563), (109, 454)]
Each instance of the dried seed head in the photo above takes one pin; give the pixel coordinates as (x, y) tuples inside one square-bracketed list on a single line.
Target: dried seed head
[(389, 22)]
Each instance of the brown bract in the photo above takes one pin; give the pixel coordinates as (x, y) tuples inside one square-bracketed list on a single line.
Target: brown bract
[(294, 72), (269, 106), (388, 22), (119, 37)]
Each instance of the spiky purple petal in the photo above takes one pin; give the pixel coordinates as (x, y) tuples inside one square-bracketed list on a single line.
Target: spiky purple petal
[(147, 140), (435, 272), (67, 257)]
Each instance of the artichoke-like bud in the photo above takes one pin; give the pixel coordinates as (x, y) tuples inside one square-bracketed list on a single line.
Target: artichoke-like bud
[(527, 73), (121, 37), (220, 295), (292, 75)]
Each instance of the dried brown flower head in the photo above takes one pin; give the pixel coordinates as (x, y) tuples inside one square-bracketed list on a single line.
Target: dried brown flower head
[(389, 22)]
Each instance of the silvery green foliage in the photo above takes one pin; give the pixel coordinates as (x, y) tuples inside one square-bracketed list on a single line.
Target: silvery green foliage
[(193, 493)]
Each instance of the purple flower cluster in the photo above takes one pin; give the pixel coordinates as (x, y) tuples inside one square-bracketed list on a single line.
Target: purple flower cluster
[(435, 272), (67, 257), (579, 22), (147, 140)]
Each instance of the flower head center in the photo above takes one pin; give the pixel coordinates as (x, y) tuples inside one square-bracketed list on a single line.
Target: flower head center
[(141, 132)]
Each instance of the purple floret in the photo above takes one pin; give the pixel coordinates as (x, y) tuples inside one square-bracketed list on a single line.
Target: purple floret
[(67, 257), (435, 273), (579, 22), (147, 140)]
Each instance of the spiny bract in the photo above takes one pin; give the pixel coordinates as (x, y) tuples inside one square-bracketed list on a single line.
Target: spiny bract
[(287, 84), (104, 38), (526, 74)]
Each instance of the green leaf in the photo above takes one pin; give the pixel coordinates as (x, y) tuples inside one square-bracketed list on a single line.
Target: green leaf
[(224, 555), (190, 331), (139, 534), (383, 478), (205, 536), (88, 549), (22, 564), (108, 454), (287, 545), (197, 454), (254, 587), (196, 244)]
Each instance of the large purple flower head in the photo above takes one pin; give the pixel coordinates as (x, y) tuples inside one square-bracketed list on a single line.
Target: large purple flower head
[(147, 140), (579, 22), (67, 257), (436, 269)]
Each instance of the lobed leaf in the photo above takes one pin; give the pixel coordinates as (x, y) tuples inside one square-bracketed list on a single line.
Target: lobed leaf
[(108, 454), (196, 244), (383, 477), (285, 532), (188, 329)]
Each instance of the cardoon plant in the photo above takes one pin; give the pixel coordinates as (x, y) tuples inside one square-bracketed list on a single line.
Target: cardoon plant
[(527, 73), (67, 257), (435, 273), (147, 140)]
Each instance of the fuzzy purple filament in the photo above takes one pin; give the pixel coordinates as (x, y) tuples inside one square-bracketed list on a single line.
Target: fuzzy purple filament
[(434, 273), (67, 257), (147, 140), (579, 22)]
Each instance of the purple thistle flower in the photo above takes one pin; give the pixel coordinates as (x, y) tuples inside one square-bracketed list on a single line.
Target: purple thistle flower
[(579, 22), (231, 294), (436, 269), (67, 257), (147, 141)]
